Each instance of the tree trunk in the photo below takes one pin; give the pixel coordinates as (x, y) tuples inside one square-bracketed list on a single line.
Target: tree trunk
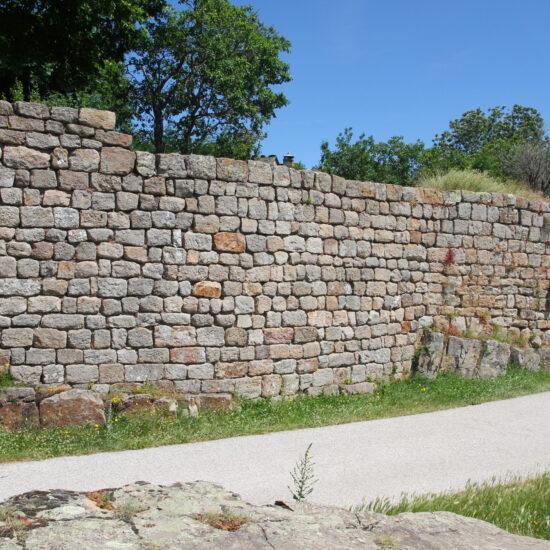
[(158, 129)]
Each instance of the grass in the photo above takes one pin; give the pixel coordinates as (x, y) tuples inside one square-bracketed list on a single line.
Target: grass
[(480, 182), (412, 396), (6, 380), (520, 506)]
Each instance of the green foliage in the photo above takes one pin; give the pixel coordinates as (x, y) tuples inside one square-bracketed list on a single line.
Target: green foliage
[(207, 73), (303, 478), (517, 505), (6, 380), (481, 151), (478, 140), (393, 161), (473, 180), (59, 46), (412, 396)]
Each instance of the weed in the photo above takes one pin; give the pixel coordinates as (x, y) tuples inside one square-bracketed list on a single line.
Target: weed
[(226, 521), (303, 477), (102, 499), (6, 379), (126, 509)]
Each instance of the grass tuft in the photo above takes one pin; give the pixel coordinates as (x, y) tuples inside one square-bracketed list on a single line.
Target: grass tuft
[(226, 521), (480, 182), (416, 395), (520, 506)]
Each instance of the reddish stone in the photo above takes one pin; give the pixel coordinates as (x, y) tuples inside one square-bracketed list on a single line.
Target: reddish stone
[(187, 356), (207, 289), (18, 415), (278, 335), (215, 401), (231, 370), (74, 407), (229, 242), (42, 251)]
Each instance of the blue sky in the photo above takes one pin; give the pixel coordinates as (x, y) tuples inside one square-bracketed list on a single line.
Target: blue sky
[(403, 67)]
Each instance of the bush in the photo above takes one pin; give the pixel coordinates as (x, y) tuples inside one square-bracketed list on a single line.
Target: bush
[(473, 180), (530, 162)]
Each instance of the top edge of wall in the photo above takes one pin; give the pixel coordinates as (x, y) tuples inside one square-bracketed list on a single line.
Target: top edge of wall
[(192, 166)]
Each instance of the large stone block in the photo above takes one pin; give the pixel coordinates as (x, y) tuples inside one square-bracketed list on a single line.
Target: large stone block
[(25, 158), (17, 415), (207, 289), (73, 407), (105, 120), (463, 355), (526, 358), (494, 359), (117, 161), (230, 242), (430, 354)]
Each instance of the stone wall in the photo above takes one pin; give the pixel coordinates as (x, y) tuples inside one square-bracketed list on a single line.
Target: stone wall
[(218, 276)]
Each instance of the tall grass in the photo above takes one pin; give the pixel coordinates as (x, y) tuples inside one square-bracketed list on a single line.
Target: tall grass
[(517, 505), (480, 182)]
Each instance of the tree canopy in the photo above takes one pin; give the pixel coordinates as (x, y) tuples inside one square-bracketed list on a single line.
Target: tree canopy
[(393, 161), (58, 46), (206, 72), (478, 140)]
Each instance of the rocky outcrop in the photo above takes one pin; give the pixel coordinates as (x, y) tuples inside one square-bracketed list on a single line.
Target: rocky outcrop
[(474, 358), (202, 515)]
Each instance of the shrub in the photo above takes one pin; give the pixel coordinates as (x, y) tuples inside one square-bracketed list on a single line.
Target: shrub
[(473, 180), (530, 163)]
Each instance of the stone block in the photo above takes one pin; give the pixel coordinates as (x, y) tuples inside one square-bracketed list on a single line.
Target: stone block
[(17, 415), (95, 118), (117, 161), (230, 242), (25, 158), (431, 353), (172, 165), (463, 355), (207, 289), (526, 358), (231, 170), (495, 357), (73, 407)]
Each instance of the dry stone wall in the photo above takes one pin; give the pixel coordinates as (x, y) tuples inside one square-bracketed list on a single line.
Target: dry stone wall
[(216, 276)]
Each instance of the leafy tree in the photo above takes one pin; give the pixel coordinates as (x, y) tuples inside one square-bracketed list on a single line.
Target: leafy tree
[(206, 72), (478, 139), (393, 161), (60, 46)]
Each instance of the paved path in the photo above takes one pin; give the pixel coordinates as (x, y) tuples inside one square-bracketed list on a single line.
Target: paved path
[(420, 453)]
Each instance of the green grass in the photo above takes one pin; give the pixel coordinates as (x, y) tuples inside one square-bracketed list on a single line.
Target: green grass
[(520, 506), (480, 182), (412, 396), (6, 380)]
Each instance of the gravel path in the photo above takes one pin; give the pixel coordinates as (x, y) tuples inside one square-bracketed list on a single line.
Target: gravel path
[(421, 453)]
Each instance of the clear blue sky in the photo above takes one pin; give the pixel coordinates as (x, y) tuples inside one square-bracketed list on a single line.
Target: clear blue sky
[(403, 67)]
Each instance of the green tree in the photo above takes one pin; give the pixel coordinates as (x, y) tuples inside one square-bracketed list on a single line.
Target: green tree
[(393, 161), (479, 139), (60, 46), (206, 73)]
